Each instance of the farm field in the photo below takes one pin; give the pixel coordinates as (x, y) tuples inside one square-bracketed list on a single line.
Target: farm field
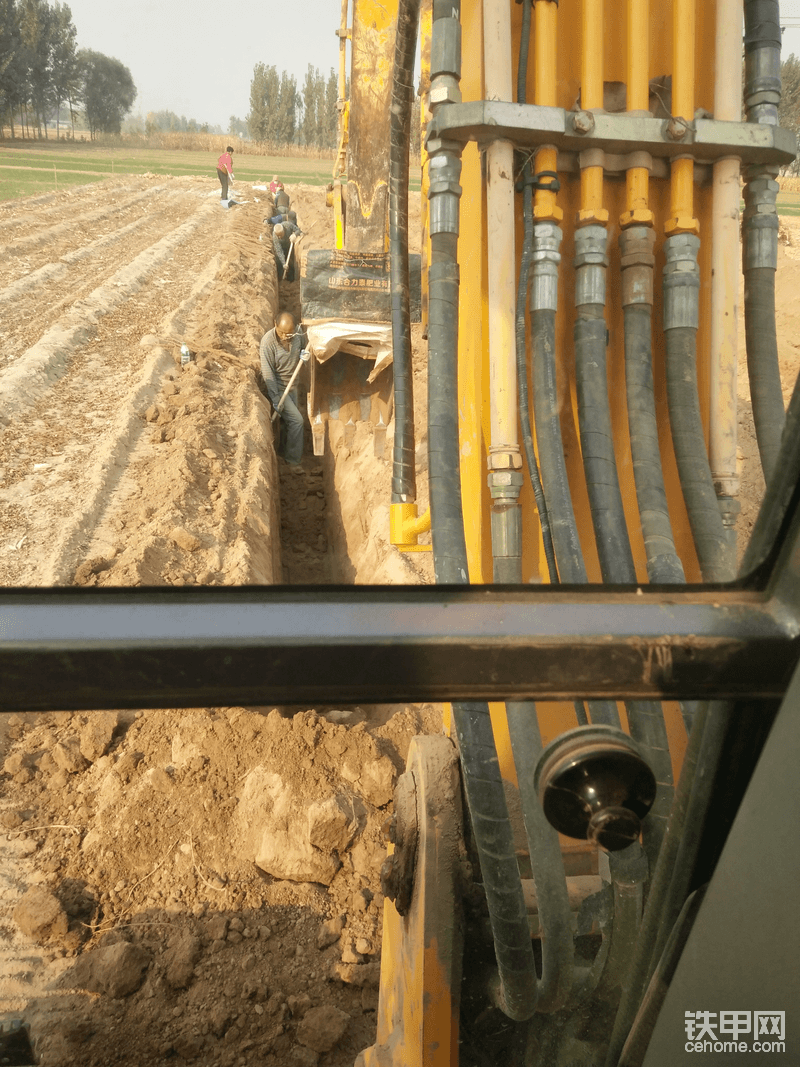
[(27, 170)]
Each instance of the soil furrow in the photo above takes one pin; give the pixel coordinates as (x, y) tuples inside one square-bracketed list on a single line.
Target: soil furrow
[(33, 373), (70, 231)]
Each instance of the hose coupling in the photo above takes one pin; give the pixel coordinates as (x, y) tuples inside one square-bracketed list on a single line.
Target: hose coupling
[(546, 258), (637, 259), (591, 261), (444, 192), (760, 221), (506, 525), (444, 90), (446, 48), (505, 484), (681, 282), (729, 508), (762, 85)]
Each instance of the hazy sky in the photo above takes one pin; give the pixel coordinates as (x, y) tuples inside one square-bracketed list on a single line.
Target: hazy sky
[(196, 58)]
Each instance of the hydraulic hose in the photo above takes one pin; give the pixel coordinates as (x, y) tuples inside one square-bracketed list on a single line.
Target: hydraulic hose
[(547, 865), (523, 396), (597, 445), (517, 984), (690, 453), (663, 562), (404, 489), (522, 374), (569, 557), (645, 718), (638, 974), (762, 349), (762, 93), (779, 491)]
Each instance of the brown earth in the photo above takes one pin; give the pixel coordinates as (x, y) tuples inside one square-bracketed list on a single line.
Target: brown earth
[(141, 919)]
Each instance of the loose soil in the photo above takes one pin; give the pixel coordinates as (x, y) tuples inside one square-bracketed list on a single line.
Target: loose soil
[(141, 919)]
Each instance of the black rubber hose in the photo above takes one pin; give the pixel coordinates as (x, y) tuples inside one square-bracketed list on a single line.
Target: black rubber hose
[(547, 865), (762, 360), (762, 24), (554, 473), (645, 717), (551, 451), (404, 488), (638, 1040), (522, 379), (779, 491), (483, 784), (690, 452), (663, 562), (635, 981), (597, 446)]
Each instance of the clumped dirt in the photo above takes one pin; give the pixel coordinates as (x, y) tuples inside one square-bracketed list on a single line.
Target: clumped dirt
[(197, 883)]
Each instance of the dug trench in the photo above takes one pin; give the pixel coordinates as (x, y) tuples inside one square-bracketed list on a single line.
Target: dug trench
[(198, 885)]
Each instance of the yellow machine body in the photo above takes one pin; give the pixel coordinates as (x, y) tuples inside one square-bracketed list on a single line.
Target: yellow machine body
[(414, 980)]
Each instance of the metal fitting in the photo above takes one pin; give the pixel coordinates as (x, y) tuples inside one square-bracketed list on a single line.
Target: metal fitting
[(637, 260), (506, 523), (444, 192), (729, 508), (446, 47), (760, 242), (591, 261), (762, 85), (444, 90), (505, 484), (681, 282), (760, 221), (583, 122), (547, 238)]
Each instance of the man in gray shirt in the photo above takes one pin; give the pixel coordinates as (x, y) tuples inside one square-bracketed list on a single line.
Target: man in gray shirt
[(280, 353)]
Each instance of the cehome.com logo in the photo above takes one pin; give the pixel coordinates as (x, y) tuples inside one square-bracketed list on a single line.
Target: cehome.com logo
[(711, 1031)]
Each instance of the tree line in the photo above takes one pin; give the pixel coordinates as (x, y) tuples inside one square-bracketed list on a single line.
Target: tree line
[(280, 114), (42, 70)]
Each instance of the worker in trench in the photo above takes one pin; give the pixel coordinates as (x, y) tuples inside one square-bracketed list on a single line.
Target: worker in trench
[(280, 351), (285, 254)]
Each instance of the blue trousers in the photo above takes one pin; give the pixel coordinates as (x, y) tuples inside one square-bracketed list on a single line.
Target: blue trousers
[(290, 440)]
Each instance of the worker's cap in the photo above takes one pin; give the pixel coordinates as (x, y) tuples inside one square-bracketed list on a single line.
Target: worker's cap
[(292, 216), (279, 230)]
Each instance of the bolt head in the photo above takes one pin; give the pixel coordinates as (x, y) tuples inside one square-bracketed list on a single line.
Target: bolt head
[(583, 122)]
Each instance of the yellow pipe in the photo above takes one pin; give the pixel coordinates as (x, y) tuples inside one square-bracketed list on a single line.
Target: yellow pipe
[(682, 218), (592, 99), (637, 179), (545, 87), (500, 244), (405, 526)]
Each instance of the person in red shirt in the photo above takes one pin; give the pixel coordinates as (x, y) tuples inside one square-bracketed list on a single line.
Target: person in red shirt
[(274, 184), (225, 170)]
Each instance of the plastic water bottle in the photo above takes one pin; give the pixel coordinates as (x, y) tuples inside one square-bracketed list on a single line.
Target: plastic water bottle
[(186, 355)]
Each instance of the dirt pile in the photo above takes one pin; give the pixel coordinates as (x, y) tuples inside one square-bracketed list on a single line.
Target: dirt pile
[(198, 885)]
